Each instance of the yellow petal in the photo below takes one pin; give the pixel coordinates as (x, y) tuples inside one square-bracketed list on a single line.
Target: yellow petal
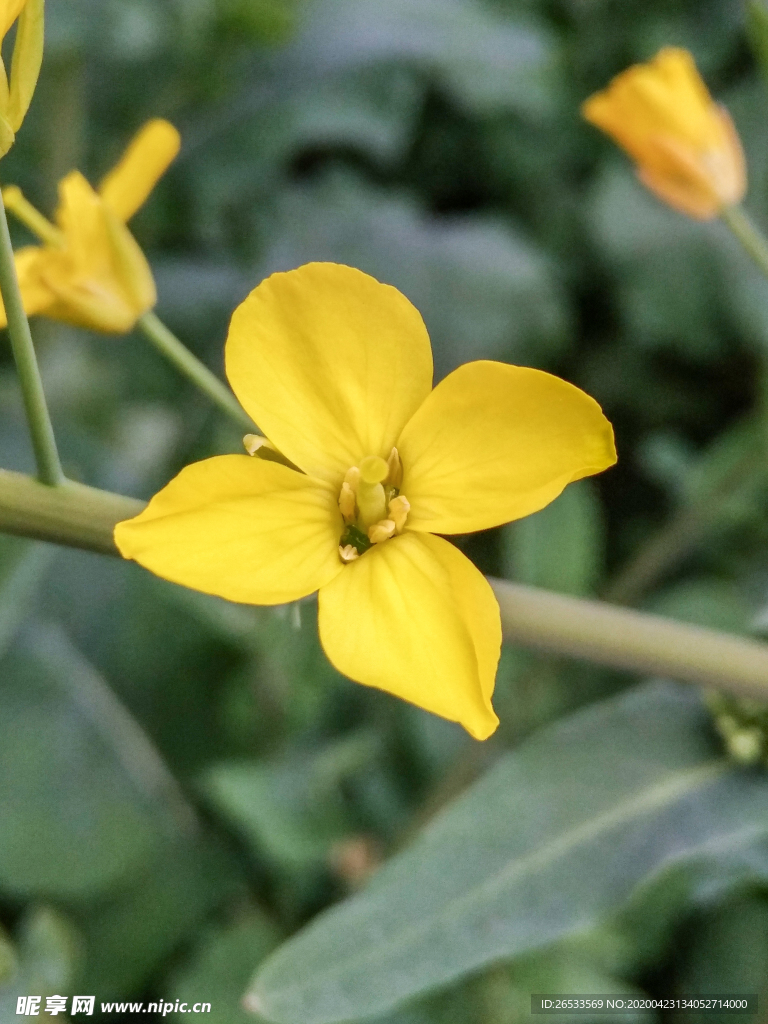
[(495, 442), (414, 617), (101, 278), (146, 159), (242, 528), (26, 61), (37, 298), (9, 12), (330, 364)]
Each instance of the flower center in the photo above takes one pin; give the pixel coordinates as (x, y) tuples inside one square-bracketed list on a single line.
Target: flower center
[(371, 504)]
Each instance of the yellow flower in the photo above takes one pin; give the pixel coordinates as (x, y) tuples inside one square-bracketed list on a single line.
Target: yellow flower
[(90, 270), (685, 145), (16, 94), (337, 371)]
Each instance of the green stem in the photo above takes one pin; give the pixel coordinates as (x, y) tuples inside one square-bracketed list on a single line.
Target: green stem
[(635, 641), (72, 514), (49, 468), (745, 231), (84, 517), (169, 345)]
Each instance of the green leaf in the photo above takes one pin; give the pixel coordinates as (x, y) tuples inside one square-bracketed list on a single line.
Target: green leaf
[(73, 821), (553, 840), (484, 60), (27, 564), (130, 931), (560, 547)]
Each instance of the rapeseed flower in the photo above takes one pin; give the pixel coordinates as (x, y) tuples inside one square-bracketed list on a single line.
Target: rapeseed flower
[(90, 271), (16, 92), (685, 145), (336, 369)]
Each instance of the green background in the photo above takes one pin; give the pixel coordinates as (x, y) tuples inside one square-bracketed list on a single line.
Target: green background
[(184, 784)]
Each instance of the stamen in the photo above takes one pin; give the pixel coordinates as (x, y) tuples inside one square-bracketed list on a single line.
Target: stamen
[(398, 511), (21, 208), (395, 473), (253, 442), (381, 531), (347, 502), (352, 477), (348, 553)]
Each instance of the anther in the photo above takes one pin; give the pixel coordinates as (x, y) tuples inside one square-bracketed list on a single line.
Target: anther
[(381, 531), (398, 511), (347, 502), (352, 477), (395, 469), (348, 553)]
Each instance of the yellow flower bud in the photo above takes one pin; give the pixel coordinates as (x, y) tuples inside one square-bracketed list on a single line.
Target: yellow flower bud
[(685, 145)]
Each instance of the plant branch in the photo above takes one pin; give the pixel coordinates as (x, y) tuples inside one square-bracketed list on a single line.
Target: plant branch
[(626, 639), (43, 441), (72, 514), (85, 517)]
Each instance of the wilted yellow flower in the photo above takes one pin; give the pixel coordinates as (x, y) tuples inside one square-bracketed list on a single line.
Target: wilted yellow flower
[(90, 270), (685, 145), (337, 371), (16, 93)]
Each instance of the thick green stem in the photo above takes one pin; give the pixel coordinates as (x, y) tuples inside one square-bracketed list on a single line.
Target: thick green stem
[(636, 641), (169, 345), (84, 517), (746, 232), (49, 468), (72, 514)]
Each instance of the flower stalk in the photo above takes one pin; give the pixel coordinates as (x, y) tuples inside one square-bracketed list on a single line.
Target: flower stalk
[(43, 441), (179, 355), (741, 226)]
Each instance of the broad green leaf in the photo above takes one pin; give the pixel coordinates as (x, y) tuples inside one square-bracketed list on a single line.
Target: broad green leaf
[(553, 840), (561, 547)]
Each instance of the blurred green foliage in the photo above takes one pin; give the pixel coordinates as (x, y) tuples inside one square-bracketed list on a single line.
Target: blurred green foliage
[(185, 783)]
